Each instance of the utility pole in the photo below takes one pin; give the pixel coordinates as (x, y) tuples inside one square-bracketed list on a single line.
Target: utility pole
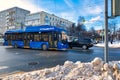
[(106, 32), (103, 34)]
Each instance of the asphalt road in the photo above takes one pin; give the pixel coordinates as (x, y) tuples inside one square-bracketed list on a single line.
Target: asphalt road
[(12, 60)]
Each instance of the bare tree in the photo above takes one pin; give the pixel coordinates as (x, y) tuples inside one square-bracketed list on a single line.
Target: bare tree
[(94, 35), (80, 24), (113, 28), (71, 30)]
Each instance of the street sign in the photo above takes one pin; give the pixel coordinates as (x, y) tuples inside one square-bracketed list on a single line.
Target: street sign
[(115, 8)]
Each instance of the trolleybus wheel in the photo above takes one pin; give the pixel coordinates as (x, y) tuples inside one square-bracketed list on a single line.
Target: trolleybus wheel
[(44, 47)]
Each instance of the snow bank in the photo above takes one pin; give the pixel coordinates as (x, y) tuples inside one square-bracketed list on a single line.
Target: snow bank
[(114, 45), (94, 70)]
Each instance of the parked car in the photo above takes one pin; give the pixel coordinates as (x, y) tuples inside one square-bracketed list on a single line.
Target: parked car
[(82, 43), (95, 41)]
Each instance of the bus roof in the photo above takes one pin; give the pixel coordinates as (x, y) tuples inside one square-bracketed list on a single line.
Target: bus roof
[(43, 28), (14, 31)]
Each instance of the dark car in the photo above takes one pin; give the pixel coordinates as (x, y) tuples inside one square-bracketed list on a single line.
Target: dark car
[(82, 43)]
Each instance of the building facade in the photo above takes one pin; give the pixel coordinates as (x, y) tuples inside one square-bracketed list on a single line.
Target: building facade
[(43, 18), (17, 18), (12, 18)]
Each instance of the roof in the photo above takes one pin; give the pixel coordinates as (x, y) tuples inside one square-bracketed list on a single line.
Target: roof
[(43, 28), (14, 31)]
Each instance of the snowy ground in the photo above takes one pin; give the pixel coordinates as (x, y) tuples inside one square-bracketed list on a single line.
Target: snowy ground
[(114, 45), (94, 70)]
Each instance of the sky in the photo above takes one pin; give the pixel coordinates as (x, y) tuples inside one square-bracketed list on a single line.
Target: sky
[(91, 10)]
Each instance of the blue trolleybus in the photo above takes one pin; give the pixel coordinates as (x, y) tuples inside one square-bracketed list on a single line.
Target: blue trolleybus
[(37, 37)]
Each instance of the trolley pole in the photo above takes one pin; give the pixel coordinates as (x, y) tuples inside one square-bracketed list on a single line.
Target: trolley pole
[(106, 32)]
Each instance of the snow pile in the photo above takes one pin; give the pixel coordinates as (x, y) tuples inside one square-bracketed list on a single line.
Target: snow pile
[(94, 70)]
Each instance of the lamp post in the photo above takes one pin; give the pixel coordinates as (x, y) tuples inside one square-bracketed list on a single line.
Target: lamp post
[(102, 35)]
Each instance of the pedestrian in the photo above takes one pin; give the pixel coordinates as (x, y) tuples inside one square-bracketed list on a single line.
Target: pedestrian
[(111, 41)]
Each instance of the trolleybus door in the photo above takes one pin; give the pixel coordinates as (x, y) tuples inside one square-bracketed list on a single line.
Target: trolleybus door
[(9, 39), (53, 40), (26, 40)]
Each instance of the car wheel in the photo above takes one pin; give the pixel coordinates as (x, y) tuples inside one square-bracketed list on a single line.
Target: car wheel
[(70, 47), (84, 47), (44, 47)]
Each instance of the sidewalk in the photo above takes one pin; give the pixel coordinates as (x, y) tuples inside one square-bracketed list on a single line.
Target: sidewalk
[(114, 45)]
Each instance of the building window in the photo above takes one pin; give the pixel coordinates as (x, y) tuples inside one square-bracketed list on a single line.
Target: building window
[(50, 23), (47, 21)]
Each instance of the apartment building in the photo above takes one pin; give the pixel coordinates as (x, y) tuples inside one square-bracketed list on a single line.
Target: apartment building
[(44, 18), (18, 18), (12, 18)]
